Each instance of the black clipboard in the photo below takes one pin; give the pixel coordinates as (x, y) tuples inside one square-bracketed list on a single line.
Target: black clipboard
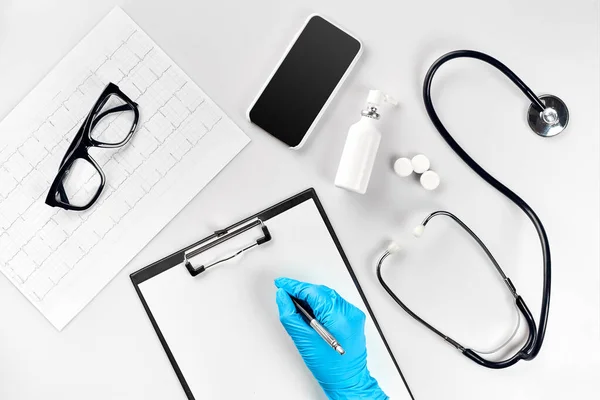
[(179, 257)]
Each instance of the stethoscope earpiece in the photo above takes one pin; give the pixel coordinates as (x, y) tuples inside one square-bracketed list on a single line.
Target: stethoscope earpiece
[(418, 231), (393, 247)]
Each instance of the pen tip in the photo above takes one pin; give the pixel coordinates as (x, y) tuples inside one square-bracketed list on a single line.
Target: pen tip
[(340, 350)]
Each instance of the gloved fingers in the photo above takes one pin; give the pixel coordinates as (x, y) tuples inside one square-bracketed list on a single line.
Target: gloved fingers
[(320, 298), (288, 315)]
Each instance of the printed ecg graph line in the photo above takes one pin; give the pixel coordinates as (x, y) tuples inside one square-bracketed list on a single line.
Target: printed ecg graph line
[(158, 145)]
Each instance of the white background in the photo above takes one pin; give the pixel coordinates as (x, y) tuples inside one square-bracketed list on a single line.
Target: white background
[(110, 350)]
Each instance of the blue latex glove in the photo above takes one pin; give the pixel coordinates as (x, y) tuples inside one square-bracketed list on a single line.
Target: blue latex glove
[(341, 377)]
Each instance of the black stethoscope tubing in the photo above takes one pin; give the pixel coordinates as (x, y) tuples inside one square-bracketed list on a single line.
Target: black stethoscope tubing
[(533, 344)]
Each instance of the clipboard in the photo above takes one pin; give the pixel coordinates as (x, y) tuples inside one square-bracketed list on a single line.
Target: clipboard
[(171, 291)]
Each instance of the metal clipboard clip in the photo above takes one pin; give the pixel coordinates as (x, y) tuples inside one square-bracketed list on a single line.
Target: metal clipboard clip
[(221, 237)]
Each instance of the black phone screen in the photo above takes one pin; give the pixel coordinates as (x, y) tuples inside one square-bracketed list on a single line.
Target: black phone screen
[(304, 81)]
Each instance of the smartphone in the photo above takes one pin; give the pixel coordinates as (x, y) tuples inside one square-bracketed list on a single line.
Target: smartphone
[(305, 81)]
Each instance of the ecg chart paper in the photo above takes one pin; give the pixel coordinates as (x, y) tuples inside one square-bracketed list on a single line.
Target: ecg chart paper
[(60, 260)]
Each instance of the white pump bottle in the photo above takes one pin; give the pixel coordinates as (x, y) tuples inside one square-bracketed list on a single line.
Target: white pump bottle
[(361, 146)]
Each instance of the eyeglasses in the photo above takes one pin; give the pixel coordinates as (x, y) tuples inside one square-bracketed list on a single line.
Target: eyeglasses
[(109, 124)]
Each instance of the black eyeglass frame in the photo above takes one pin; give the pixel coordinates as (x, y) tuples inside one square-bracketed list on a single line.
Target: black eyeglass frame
[(83, 141)]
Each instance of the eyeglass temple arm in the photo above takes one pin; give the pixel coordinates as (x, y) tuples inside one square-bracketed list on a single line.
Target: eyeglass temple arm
[(121, 108)]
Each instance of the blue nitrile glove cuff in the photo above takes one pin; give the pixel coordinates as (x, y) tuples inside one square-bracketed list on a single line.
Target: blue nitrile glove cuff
[(341, 377)]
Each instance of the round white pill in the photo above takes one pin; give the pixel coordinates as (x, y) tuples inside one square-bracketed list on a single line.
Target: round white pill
[(420, 163), (403, 167), (430, 180)]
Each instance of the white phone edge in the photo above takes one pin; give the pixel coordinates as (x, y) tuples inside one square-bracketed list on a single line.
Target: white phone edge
[(333, 92)]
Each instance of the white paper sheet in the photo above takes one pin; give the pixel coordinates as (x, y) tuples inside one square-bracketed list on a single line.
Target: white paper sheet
[(223, 326), (61, 259)]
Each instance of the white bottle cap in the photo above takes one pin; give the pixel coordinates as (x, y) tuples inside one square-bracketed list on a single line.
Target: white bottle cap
[(430, 180), (403, 167), (420, 163)]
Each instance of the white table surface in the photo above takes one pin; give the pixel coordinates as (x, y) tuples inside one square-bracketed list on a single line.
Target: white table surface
[(110, 350)]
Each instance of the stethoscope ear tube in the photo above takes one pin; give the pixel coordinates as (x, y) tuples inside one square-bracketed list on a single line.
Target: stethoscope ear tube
[(522, 354), (474, 355)]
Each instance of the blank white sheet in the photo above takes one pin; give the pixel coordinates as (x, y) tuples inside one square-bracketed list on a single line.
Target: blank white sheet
[(223, 326)]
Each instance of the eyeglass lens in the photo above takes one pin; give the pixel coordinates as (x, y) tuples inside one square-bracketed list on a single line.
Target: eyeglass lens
[(79, 184), (113, 122)]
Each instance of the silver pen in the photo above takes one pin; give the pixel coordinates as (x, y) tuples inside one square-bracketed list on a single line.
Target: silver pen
[(324, 333)]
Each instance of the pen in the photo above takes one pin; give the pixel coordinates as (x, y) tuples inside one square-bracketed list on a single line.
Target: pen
[(324, 333)]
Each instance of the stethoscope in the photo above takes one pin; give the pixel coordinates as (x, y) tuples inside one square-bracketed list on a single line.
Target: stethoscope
[(547, 116)]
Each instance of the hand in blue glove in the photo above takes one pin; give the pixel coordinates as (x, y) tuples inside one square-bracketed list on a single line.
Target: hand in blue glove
[(341, 377)]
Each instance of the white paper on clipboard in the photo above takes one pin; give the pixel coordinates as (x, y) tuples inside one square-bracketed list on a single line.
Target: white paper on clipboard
[(222, 327)]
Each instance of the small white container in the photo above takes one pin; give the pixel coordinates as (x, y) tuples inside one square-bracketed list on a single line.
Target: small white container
[(362, 144)]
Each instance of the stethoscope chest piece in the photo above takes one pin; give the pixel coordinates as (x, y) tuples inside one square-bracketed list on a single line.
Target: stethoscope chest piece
[(552, 120)]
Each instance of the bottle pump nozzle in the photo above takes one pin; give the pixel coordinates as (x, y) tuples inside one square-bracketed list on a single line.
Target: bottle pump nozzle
[(374, 100)]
